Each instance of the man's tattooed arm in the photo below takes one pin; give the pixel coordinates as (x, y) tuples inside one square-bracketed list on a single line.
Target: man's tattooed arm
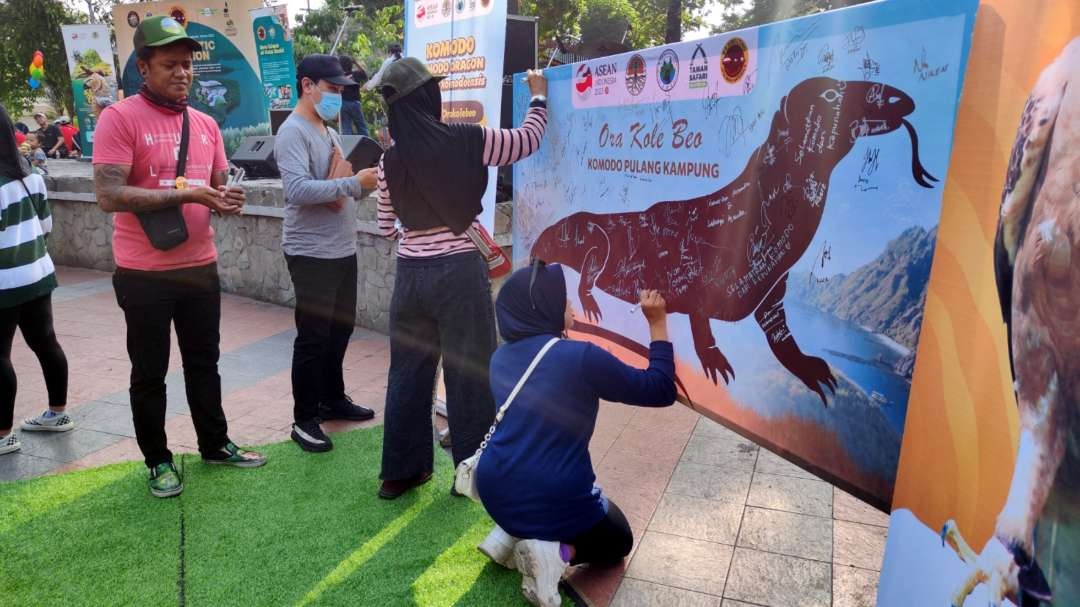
[(114, 195)]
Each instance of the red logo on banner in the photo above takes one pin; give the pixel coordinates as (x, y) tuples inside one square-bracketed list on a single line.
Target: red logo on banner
[(734, 60), (584, 81)]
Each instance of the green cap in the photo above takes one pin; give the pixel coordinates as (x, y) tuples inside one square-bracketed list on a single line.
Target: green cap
[(163, 31), (404, 76)]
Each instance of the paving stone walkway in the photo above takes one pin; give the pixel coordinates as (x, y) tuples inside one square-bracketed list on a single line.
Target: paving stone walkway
[(718, 521)]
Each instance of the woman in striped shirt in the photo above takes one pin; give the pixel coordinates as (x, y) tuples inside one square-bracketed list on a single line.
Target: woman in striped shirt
[(27, 280), (431, 183)]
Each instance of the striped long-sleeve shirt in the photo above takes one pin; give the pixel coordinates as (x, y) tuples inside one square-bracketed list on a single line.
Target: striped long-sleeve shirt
[(26, 270), (501, 147)]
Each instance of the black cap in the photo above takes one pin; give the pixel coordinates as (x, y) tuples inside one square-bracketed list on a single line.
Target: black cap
[(323, 67)]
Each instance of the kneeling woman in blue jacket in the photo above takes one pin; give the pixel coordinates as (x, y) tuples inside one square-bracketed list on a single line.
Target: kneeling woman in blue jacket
[(535, 477)]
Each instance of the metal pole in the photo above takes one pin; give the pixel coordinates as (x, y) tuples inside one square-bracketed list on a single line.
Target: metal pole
[(340, 31)]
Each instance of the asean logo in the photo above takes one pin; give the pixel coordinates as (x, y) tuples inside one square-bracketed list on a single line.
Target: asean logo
[(636, 75), (667, 70), (734, 60), (583, 81), (261, 33)]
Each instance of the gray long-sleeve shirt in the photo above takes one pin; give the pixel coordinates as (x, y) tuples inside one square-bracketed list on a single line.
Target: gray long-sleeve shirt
[(311, 228)]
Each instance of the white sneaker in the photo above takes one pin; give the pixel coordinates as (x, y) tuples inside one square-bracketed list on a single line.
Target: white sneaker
[(499, 547), (541, 568), (58, 422), (9, 443)]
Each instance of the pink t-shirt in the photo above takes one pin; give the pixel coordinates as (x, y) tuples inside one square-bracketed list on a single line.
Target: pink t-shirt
[(141, 135)]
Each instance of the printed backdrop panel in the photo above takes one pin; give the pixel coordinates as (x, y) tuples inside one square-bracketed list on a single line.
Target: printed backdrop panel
[(464, 42), (226, 84), (781, 187), (991, 454), (93, 76)]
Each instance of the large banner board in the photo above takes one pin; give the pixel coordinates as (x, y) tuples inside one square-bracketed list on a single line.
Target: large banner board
[(987, 498), (781, 186), (93, 76), (277, 63), (463, 42), (226, 70)]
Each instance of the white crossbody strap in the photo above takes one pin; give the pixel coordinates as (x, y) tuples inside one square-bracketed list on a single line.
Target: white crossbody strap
[(514, 392)]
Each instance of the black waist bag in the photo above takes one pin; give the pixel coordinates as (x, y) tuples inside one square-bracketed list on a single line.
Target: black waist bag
[(166, 228)]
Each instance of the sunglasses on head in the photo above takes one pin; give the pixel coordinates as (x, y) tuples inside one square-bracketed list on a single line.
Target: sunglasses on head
[(537, 265)]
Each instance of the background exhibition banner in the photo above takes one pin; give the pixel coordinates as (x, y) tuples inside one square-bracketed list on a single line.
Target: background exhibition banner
[(277, 65), (781, 186), (225, 70), (93, 76), (463, 41), (991, 453)]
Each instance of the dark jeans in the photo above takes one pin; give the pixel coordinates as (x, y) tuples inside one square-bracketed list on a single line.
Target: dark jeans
[(605, 544), (439, 307), (35, 320), (190, 300), (325, 315), (352, 119)]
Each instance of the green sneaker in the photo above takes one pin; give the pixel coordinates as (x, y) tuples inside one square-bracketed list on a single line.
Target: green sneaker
[(231, 455), (165, 480)]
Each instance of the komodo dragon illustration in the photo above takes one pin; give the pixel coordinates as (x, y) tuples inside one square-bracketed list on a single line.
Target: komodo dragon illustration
[(727, 255)]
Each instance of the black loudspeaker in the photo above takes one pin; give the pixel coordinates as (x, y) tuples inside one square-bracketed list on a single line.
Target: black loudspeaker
[(256, 156), (277, 117), (520, 55)]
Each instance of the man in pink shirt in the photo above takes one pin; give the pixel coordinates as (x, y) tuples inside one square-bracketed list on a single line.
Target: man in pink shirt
[(173, 280)]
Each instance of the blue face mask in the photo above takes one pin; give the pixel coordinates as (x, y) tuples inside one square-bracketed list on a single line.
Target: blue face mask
[(329, 106)]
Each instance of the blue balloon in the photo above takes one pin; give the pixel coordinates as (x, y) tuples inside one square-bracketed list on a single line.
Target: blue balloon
[(33, 83)]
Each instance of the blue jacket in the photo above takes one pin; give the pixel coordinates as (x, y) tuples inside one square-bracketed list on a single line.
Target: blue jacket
[(536, 478)]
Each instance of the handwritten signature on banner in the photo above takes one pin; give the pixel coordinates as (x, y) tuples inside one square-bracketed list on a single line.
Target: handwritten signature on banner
[(925, 71)]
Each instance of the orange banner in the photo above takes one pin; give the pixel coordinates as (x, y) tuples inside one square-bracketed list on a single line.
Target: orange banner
[(961, 459)]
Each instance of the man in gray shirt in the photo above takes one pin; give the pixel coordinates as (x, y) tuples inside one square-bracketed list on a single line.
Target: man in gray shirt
[(319, 240)]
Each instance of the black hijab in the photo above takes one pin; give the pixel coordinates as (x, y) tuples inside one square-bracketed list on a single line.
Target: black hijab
[(532, 302), (435, 171), (12, 164)]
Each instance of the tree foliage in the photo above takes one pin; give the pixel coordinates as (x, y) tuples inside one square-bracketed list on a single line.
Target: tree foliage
[(369, 33), (647, 18), (31, 25), (767, 11)]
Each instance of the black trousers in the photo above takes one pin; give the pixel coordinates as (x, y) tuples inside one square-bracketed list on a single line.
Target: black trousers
[(325, 317), (605, 544), (35, 320), (153, 302), (440, 307)]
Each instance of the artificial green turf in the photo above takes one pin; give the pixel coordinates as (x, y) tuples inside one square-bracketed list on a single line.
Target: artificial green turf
[(304, 530)]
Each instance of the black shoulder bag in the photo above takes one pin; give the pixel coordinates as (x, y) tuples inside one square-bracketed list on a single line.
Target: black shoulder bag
[(166, 228)]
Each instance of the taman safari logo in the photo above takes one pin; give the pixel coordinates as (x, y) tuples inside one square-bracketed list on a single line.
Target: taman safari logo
[(699, 69)]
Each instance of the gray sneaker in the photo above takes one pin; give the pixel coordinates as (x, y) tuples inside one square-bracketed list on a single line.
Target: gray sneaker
[(9, 443), (56, 422)]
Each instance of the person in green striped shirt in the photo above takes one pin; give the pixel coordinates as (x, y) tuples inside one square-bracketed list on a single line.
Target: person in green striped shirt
[(27, 280)]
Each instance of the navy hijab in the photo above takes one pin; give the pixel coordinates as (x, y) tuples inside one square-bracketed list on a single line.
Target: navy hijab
[(532, 302)]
